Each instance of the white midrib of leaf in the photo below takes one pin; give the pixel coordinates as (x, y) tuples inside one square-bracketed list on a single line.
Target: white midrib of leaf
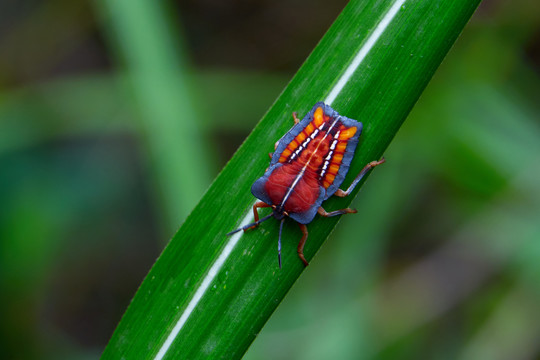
[(235, 238)]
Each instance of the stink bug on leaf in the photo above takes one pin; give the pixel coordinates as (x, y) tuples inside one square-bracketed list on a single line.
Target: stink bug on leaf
[(309, 164)]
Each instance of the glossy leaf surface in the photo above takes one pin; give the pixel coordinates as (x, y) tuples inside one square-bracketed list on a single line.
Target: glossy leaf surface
[(208, 295)]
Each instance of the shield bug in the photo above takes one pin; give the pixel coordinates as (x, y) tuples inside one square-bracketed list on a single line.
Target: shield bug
[(308, 166)]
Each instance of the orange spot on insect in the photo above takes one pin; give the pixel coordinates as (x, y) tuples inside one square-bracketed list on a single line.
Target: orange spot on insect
[(310, 128), (292, 145), (301, 137), (326, 184), (341, 146), (347, 134), (333, 169), (330, 178), (282, 159), (286, 153), (337, 158), (318, 118)]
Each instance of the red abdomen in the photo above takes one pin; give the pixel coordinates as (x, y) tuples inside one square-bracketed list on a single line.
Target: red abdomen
[(305, 188)]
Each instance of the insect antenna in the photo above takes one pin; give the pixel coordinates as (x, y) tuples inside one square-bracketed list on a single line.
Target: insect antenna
[(252, 224), (279, 242)]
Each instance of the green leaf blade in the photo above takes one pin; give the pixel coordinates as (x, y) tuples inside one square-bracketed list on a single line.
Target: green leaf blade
[(208, 295)]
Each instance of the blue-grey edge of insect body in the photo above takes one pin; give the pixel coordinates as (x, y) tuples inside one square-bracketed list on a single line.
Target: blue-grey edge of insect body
[(258, 187)]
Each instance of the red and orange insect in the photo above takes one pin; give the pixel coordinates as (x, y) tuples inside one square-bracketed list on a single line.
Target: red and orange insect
[(309, 164)]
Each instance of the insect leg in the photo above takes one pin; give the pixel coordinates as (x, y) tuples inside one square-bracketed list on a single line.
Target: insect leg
[(364, 171), (295, 117), (258, 204), (302, 242), (323, 212)]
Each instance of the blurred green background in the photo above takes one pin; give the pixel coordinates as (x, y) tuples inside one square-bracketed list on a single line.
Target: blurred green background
[(115, 117)]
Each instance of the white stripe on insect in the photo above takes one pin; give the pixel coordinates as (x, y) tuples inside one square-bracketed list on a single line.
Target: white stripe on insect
[(329, 156), (301, 173)]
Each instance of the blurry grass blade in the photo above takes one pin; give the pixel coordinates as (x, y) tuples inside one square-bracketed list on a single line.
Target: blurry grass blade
[(144, 39), (208, 295), (67, 106)]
